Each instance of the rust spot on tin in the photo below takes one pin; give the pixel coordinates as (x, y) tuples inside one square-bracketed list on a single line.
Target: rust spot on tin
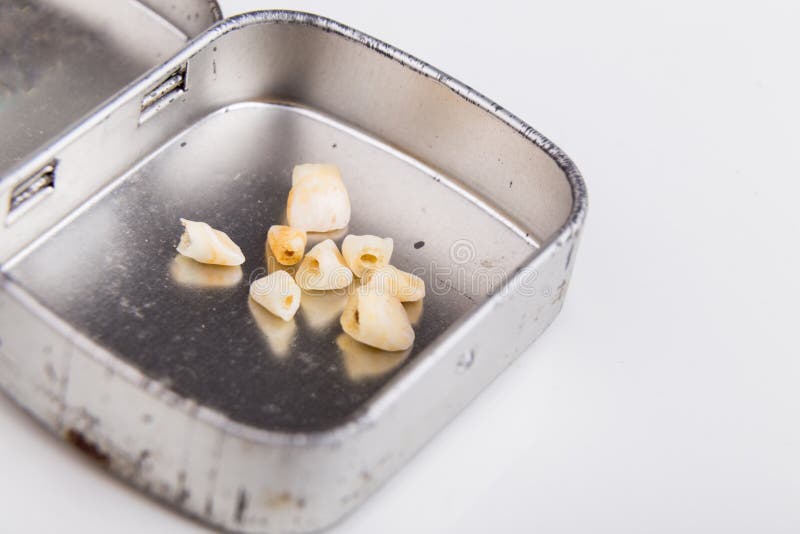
[(284, 500), (87, 447)]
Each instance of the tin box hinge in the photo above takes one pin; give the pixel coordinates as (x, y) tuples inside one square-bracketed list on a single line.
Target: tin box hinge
[(163, 94), (30, 190)]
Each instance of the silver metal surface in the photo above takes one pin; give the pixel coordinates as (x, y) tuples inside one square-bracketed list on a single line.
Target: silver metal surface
[(59, 59), (166, 373)]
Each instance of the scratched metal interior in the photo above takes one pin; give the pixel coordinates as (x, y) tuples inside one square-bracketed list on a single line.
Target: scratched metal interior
[(112, 271)]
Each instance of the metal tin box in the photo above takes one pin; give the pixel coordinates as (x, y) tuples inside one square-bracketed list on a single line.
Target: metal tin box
[(161, 369)]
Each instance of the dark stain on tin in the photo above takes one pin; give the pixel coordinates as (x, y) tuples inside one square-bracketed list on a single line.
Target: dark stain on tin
[(510, 183), (50, 372), (241, 505), (334, 145), (419, 244), (209, 508), (90, 449), (183, 493), (183, 144)]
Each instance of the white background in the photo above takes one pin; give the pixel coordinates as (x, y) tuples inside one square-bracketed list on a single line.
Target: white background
[(666, 397)]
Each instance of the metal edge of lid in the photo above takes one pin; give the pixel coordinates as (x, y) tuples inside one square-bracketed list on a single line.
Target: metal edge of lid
[(192, 17)]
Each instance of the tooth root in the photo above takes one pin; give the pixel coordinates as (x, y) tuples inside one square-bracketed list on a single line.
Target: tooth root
[(278, 293), (318, 200), (323, 268), (278, 333), (207, 245), (405, 286), (287, 244), (362, 252), (362, 362), (377, 319), (187, 272)]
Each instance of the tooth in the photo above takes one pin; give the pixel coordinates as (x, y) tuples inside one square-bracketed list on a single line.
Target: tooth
[(321, 308), (286, 243), (323, 268), (362, 252), (362, 362), (278, 333), (190, 273), (207, 245), (278, 293), (377, 319), (318, 200), (405, 286)]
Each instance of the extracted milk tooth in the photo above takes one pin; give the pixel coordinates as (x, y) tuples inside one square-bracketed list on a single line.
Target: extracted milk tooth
[(279, 334), (286, 243), (377, 319), (362, 362), (323, 268), (207, 245), (405, 286), (362, 252), (318, 200), (278, 293)]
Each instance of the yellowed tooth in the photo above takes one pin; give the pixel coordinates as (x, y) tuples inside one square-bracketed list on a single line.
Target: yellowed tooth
[(323, 268), (278, 333), (362, 362), (405, 286), (278, 293), (362, 252), (207, 245), (377, 319), (287, 244), (318, 200), (187, 272)]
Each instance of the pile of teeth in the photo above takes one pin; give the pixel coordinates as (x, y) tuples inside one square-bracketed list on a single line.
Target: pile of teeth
[(318, 202)]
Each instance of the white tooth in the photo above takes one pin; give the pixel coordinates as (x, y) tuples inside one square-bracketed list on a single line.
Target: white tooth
[(278, 293), (207, 245), (321, 308), (362, 362), (318, 200), (362, 252), (286, 243), (190, 273), (278, 333), (323, 268), (377, 319), (405, 286)]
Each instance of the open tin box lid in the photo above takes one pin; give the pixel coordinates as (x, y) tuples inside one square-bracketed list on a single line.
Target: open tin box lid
[(60, 59)]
